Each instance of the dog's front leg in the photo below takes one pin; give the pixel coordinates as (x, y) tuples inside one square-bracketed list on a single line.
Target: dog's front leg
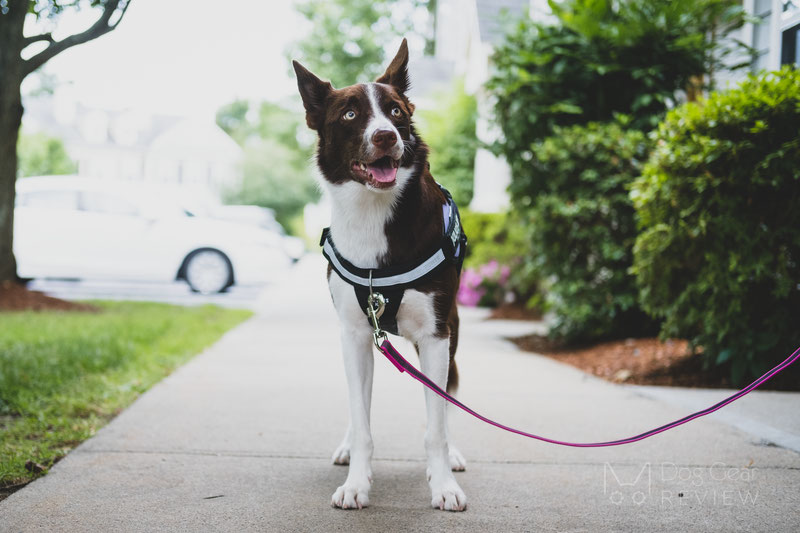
[(358, 365), (446, 494)]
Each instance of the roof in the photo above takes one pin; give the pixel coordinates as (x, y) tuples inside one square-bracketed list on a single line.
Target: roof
[(491, 13)]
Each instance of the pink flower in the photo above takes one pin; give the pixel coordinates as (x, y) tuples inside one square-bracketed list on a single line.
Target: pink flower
[(505, 272), (489, 269), (469, 293)]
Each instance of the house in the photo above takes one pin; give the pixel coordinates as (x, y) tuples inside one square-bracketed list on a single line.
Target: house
[(137, 146), (466, 33), (775, 39), (468, 30)]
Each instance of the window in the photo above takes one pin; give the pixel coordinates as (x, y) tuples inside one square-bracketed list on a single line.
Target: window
[(790, 46), (101, 202), (49, 200)]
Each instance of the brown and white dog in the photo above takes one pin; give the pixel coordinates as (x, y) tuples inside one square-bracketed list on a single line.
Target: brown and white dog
[(386, 210)]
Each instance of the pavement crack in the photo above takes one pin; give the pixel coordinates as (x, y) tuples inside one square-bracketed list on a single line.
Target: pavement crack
[(268, 455)]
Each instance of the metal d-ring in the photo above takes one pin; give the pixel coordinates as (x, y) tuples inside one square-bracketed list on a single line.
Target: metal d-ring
[(375, 300)]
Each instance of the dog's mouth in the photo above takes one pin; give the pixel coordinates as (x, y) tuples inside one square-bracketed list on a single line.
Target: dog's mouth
[(381, 173)]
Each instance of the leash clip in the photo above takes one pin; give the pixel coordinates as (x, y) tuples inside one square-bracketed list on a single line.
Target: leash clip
[(376, 304)]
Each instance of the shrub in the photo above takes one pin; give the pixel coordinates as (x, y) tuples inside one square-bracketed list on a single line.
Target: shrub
[(719, 252), (602, 57), (492, 236), (582, 229), (502, 238), (448, 128)]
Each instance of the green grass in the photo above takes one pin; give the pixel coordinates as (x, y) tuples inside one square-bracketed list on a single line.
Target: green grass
[(63, 375)]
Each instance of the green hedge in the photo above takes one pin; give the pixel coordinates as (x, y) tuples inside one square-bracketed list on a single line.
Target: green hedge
[(448, 128), (718, 257), (493, 236), (502, 237), (582, 229), (598, 58)]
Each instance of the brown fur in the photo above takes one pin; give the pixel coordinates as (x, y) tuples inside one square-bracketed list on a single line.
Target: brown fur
[(416, 228)]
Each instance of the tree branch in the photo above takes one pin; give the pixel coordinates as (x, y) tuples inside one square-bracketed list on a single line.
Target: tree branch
[(36, 38), (101, 27)]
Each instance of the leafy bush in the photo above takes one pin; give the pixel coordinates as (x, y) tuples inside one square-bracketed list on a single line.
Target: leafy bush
[(719, 252), (603, 57), (502, 238), (449, 129), (582, 229), (493, 236), (41, 155)]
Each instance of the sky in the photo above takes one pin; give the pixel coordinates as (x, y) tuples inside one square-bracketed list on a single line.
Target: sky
[(179, 57)]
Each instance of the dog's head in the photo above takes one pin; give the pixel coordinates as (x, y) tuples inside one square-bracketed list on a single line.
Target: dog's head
[(365, 130)]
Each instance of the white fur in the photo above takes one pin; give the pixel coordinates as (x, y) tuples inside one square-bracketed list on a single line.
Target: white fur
[(379, 121), (359, 216), (356, 338)]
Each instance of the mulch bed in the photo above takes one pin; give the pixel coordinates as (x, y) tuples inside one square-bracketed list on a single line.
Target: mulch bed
[(15, 297), (645, 361)]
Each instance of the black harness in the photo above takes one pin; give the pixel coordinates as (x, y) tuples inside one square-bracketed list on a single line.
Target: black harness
[(393, 280)]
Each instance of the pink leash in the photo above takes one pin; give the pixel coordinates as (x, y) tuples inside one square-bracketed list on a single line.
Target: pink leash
[(404, 366)]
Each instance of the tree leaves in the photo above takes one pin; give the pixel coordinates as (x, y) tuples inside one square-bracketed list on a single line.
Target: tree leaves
[(603, 58)]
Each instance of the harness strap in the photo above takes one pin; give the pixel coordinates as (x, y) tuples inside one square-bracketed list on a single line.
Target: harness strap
[(392, 281)]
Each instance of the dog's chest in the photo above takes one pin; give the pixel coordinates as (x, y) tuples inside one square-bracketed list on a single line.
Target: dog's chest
[(358, 228), (358, 223)]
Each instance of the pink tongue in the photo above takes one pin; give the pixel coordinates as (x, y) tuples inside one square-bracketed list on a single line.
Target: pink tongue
[(383, 174)]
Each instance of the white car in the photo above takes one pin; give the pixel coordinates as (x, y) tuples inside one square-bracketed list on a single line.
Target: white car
[(68, 227), (262, 217)]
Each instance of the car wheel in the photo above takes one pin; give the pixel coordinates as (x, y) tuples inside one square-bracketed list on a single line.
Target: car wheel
[(208, 271)]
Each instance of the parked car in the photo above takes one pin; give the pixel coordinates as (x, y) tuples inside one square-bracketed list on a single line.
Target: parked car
[(68, 227), (262, 217)]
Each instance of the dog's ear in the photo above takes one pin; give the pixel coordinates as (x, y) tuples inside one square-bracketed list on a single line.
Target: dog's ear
[(313, 91), (396, 73)]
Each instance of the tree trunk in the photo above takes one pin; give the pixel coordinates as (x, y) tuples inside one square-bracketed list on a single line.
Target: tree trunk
[(10, 120)]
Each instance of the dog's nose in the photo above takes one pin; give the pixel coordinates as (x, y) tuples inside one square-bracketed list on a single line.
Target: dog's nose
[(384, 139)]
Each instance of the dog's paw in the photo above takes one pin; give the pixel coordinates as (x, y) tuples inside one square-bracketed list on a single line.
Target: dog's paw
[(342, 454), (351, 495), (446, 495), (457, 461)]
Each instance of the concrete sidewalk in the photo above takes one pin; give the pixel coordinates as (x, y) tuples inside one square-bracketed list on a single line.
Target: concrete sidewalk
[(239, 439)]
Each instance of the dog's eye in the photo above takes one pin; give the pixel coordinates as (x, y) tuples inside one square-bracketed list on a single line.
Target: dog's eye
[(396, 112), (349, 114)]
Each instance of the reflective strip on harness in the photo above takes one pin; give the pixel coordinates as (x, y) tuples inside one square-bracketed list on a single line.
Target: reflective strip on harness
[(421, 270)]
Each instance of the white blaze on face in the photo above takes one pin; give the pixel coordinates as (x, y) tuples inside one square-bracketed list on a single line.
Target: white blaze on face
[(379, 121)]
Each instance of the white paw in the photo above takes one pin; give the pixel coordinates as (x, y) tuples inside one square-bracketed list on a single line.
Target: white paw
[(342, 454), (447, 495), (457, 461), (352, 495)]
